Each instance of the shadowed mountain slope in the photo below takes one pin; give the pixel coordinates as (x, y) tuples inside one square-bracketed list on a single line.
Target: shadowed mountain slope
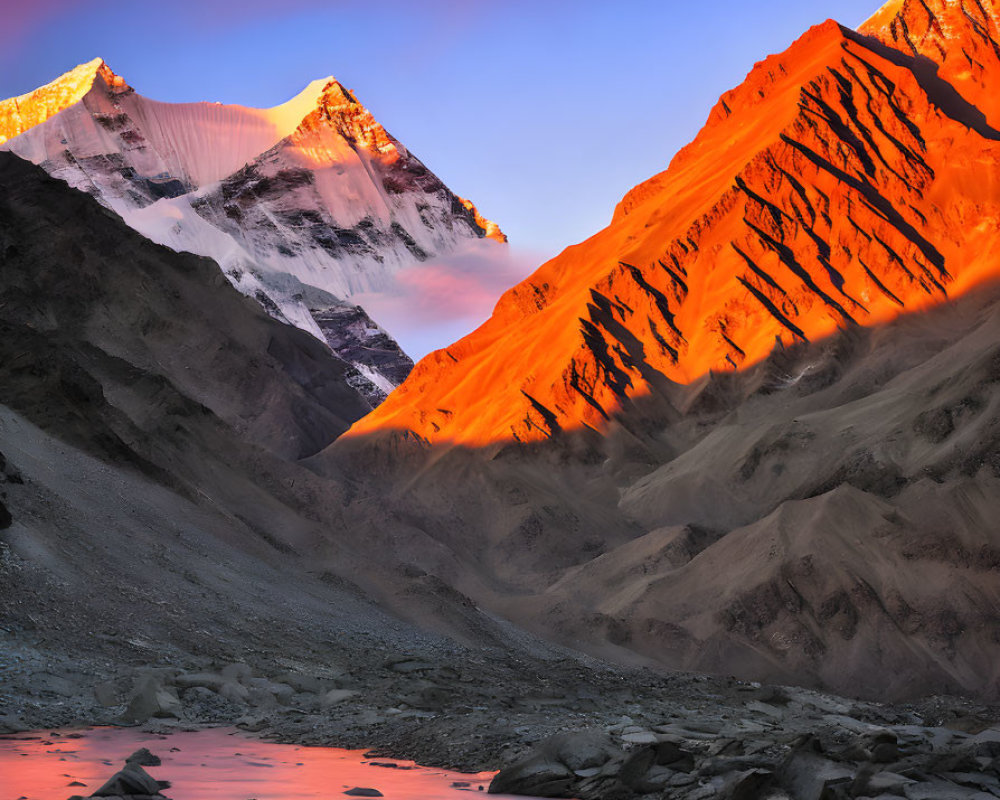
[(98, 319), (847, 180)]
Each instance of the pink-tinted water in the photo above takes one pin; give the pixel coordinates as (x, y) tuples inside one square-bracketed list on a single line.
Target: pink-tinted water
[(215, 764)]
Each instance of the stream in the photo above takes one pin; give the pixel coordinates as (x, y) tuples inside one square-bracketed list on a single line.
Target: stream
[(215, 764)]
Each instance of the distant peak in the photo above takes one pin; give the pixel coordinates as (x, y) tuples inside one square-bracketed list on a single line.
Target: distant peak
[(336, 94), (18, 114), (911, 23), (962, 38), (490, 229), (79, 80), (114, 82), (337, 107)]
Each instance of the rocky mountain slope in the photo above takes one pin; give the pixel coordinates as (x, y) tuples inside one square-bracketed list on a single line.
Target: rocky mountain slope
[(847, 180), (827, 517), (749, 428), (302, 205)]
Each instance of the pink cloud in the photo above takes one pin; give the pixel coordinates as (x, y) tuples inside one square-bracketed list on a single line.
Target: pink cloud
[(432, 304)]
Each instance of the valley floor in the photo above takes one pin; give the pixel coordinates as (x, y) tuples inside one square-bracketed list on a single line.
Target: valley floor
[(478, 709)]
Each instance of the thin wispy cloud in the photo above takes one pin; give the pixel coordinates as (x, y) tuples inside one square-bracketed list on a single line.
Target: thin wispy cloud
[(434, 303)]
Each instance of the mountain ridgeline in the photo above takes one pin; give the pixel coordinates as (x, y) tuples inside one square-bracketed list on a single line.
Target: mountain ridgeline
[(847, 180)]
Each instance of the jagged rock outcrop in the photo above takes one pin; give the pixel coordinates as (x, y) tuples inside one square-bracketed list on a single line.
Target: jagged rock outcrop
[(357, 339), (841, 184)]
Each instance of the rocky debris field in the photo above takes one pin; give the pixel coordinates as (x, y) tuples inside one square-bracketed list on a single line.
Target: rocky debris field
[(554, 724), (784, 747)]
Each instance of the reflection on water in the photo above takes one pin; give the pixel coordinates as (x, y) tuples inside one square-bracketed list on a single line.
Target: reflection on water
[(215, 764)]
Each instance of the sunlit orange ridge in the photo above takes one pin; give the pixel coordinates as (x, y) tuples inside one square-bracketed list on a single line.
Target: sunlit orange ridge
[(845, 182)]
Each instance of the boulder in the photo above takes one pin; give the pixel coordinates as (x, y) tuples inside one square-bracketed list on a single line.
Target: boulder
[(754, 784), (143, 758), (336, 696), (550, 770), (282, 692), (238, 673), (234, 692), (131, 780), (808, 775), (535, 776), (11, 724), (150, 699)]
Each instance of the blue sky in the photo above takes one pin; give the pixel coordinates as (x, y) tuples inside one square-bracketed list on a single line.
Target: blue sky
[(543, 113)]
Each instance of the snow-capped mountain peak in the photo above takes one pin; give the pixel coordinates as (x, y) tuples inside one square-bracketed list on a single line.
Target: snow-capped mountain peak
[(18, 114), (303, 205)]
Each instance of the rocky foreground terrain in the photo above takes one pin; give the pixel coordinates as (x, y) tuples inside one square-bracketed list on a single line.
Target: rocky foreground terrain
[(557, 724)]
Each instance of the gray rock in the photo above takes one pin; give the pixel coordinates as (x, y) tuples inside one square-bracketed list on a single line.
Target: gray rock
[(237, 673), (549, 770), (581, 749), (261, 698), (11, 724), (106, 693), (641, 737), (304, 683), (132, 780), (942, 790), (151, 699), (753, 784), (336, 696), (282, 692), (143, 758), (534, 776), (868, 784), (209, 680), (361, 791), (808, 775), (234, 692)]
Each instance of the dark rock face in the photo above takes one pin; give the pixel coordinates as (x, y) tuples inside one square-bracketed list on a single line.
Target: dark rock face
[(555, 768), (91, 309), (357, 339)]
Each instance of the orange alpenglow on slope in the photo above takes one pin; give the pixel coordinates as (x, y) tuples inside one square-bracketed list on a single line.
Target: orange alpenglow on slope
[(847, 180), (18, 114)]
